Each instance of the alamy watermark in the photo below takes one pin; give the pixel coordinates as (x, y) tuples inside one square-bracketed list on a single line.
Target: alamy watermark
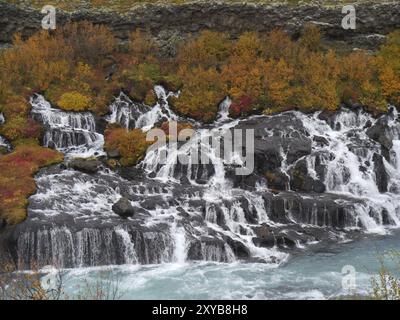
[(49, 20), (234, 147), (349, 21), (349, 279)]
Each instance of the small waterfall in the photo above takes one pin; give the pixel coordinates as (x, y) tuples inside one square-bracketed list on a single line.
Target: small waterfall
[(180, 245), (125, 112), (351, 169), (223, 114), (72, 133), (136, 115), (130, 256), (3, 142)]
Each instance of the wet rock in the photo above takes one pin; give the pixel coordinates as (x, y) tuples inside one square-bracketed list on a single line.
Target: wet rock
[(327, 116), (382, 178), (265, 242), (194, 252), (184, 180), (152, 175), (131, 173), (274, 138), (123, 208), (261, 231), (301, 181), (321, 141), (380, 133), (238, 248), (86, 166), (154, 202), (277, 180)]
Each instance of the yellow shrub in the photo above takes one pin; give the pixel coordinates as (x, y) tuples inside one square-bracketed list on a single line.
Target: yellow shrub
[(74, 101)]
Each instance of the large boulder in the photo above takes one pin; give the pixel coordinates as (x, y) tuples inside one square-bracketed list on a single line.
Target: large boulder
[(87, 166), (123, 208), (380, 132)]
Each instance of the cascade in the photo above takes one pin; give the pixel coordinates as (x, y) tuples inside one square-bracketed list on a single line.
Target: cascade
[(197, 211)]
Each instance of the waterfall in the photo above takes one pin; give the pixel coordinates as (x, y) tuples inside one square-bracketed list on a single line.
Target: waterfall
[(199, 209), (3, 142), (351, 171), (224, 110), (73, 133), (137, 115)]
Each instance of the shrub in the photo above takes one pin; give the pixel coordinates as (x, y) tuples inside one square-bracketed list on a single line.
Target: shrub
[(165, 126), (241, 108), (89, 42), (16, 179), (74, 101), (20, 127), (209, 49), (310, 38), (389, 66), (201, 93), (131, 145)]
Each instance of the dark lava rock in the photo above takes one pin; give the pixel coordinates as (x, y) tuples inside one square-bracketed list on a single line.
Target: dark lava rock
[(234, 18), (123, 208), (86, 166), (301, 181), (154, 202), (321, 140), (184, 180), (380, 133), (277, 180), (327, 116), (275, 136), (382, 178)]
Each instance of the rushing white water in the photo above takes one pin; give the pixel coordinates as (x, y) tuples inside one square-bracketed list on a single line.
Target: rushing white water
[(314, 276), (3, 142), (194, 211), (351, 171), (135, 115), (70, 132)]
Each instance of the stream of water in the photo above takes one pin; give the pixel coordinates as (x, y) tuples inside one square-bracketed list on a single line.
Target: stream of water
[(316, 274)]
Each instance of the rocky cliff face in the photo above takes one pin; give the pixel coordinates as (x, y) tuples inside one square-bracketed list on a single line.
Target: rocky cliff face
[(170, 23)]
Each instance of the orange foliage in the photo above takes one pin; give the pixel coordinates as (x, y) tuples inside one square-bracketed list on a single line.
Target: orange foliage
[(201, 95), (209, 49), (165, 126), (131, 144)]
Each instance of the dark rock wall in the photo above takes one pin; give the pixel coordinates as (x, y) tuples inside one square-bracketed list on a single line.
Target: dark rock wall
[(171, 23)]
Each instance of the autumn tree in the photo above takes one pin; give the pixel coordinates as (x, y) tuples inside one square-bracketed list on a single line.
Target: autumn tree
[(209, 49), (201, 93)]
